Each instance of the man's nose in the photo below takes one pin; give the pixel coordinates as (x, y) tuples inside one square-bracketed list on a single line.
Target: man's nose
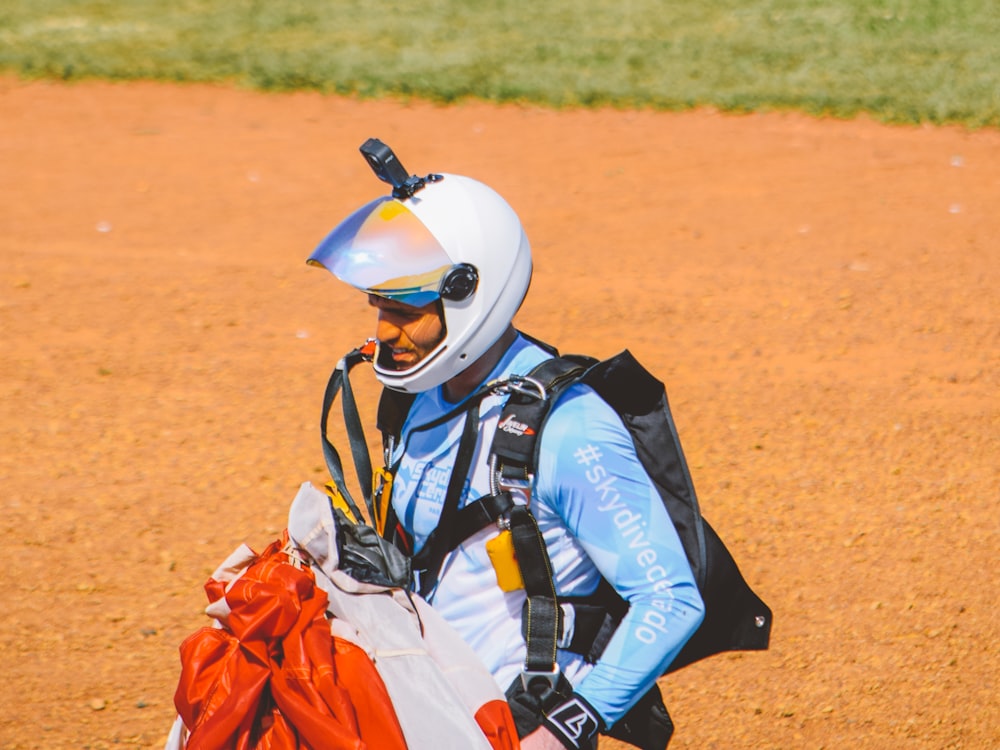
[(386, 329)]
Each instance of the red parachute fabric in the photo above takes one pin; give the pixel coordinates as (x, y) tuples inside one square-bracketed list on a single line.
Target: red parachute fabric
[(497, 723), (275, 678)]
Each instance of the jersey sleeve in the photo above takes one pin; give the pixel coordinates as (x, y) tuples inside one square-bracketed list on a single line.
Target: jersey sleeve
[(591, 478)]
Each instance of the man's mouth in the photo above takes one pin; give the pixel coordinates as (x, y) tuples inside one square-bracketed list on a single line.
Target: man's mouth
[(401, 357), (397, 357)]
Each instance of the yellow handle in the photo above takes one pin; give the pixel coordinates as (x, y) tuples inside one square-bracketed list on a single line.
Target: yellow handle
[(501, 551), (382, 495), (339, 501)]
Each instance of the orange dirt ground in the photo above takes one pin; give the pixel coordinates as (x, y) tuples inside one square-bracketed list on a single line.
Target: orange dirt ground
[(820, 297)]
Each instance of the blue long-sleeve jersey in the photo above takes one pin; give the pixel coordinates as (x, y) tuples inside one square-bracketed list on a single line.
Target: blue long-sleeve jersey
[(599, 515)]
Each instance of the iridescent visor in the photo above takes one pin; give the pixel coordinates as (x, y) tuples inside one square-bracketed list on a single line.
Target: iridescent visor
[(383, 249)]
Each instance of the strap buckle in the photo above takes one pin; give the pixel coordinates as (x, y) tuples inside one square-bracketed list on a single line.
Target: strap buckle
[(529, 676), (526, 386), (522, 385), (515, 485)]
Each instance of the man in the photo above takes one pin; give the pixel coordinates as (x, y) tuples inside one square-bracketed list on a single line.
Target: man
[(446, 265)]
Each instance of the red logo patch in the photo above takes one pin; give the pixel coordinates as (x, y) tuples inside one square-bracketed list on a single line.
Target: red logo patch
[(512, 426)]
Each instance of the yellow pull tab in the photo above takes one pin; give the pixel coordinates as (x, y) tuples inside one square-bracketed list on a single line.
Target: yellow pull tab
[(501, 551), (382, 496), (339, 501)]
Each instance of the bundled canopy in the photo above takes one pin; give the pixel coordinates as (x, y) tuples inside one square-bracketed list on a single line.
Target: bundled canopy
[(305, 655)]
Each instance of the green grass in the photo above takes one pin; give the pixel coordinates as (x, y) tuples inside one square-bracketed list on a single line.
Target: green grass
[(900, 60)]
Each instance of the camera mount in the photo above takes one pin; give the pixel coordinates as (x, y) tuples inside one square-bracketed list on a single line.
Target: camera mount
[(388, 168)]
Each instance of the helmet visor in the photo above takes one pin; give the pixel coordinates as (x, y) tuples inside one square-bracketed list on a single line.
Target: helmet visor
[(383, 249)]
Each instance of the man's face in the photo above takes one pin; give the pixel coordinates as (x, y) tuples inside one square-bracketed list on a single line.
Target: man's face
[(406, 334)]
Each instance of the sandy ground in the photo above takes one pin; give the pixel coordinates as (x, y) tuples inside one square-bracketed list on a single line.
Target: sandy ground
[(821, 298)]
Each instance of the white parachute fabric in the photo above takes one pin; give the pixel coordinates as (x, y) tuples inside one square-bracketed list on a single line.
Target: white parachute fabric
[(436, 682)]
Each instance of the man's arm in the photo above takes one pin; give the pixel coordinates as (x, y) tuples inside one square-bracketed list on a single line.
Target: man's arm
[(591, 476)]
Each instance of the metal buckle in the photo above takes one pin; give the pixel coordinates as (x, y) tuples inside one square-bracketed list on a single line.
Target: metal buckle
[(522, 385), (499, 483), (530, 675), (527, 387)]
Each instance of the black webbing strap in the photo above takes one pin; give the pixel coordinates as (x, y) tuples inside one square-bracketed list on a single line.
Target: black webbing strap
[(359, 446), (431, 556), (595, 619), (516, 447), (465, 522), (480, 514), (339, 380), (516, 453), (541, 620), (393, 406)]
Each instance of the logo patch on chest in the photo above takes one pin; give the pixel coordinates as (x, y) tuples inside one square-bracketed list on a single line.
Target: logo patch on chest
[(512, 426)]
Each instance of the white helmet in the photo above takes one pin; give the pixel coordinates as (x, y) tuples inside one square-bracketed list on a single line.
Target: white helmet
[(451, 239)]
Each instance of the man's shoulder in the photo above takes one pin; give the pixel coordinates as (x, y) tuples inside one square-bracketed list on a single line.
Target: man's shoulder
[(580, 410), (524, 355)]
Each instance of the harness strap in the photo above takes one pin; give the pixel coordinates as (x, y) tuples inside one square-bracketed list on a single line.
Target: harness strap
[(479, 514), (541, 620), (595, 616), (339, 379), (442, 540), (514, 451), (356, 437), (514, 445), (392, 411), (595, 619)]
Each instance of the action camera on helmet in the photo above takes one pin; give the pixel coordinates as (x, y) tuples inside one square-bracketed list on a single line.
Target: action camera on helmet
[(388, 168)]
